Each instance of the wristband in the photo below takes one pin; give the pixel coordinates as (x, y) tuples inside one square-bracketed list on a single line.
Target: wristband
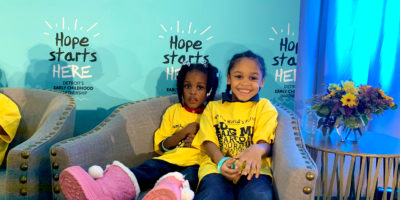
[(162, 145), (221, 162)]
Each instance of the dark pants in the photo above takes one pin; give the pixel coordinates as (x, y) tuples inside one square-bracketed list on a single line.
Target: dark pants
[(150, 171), (216, 186)]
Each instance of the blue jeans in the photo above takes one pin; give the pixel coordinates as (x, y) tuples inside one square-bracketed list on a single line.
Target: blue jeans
[(151, 170), (216, 186)]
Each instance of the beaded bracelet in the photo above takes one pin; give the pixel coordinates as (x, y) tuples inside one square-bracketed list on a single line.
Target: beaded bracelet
[(221, 162), (162, 145)]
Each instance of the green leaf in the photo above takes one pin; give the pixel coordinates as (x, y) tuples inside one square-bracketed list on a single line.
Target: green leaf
[(319, 114), (359, 122), (379, 111), (338, 120), (315, 107), (324, 111), (353, 122), (394, 107)]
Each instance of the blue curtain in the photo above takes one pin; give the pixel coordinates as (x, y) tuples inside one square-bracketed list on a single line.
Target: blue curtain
[(355, 40)]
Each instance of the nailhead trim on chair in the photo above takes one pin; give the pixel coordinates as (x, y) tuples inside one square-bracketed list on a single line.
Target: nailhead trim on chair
[(299, 140), (23, 179), (307, 190), (55, 165), (56, 177), (53, 152), (23, 191), (25, 154), (23, 166), (57, 189), (310, 176)]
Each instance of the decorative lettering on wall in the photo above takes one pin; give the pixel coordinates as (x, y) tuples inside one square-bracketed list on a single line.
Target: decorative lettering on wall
[(74, 51), (184, 44), (285, 63), (62, 41)]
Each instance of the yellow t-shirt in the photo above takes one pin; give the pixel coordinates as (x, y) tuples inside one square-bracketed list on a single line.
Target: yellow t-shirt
[(233, 127), (9, 121), (175, 118)]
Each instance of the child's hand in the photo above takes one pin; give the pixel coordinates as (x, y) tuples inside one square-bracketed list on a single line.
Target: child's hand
[(188, 140), (251, 159), (191, 128), (228, 171), (182, 135)]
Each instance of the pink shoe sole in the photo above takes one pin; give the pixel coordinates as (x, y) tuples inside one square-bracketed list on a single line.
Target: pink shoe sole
[(160, 194), (77, 184)]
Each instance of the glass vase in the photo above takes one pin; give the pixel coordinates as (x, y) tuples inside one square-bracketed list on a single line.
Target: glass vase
[(348, 134), (310, 121)]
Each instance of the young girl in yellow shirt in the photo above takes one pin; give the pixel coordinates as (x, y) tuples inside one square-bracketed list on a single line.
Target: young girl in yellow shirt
[(236, 134)]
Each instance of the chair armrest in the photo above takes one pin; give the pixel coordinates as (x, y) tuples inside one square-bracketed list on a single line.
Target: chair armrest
[(28, 170), (111, 140), (293, 169), (105, 143)]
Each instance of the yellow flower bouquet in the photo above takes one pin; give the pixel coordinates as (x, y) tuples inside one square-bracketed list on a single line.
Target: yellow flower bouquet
[(349, 107)]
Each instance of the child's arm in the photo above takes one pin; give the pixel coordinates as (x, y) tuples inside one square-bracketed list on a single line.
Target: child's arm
[(171, 142), (252, 157), (264, 133), (226, 169)]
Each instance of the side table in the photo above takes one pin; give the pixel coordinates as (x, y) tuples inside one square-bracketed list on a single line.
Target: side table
[(366, 160)]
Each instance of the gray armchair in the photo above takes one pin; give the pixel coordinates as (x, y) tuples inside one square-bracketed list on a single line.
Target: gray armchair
[(46, 118), (127, 135)]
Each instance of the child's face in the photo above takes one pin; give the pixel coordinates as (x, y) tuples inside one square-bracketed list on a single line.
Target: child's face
[(245, 79), (194, 88)]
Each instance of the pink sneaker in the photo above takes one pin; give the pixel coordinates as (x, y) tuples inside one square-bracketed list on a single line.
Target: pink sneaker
[(118, 182), (171, 186)]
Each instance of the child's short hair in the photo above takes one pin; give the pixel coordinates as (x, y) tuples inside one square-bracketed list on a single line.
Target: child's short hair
[(206, 68), (247, 54)]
